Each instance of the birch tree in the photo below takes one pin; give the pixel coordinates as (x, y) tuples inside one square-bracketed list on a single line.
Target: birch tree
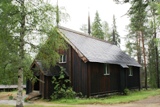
[(25, 21)]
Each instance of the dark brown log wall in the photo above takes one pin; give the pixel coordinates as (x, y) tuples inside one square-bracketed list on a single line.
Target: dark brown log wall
[(44, 87), (133, 81), (48, 87), (100, 83), (115, 77), (41, 90), (78, 73)]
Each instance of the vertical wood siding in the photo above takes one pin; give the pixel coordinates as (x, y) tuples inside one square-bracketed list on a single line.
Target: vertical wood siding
[(48, 87), (100, 83), (133, 81), (78, 73), (115, 77), (42, 85)]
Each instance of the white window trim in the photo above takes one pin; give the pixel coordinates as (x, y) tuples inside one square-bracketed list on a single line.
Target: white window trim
[(63, 59), (107, 71), (130, 71)]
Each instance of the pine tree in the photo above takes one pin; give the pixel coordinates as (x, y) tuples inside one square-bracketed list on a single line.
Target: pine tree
[(137, 13), (146, 35), (153, 46), (97, 27), (152, 65), (116, 37), (132, 43), (107, 32)]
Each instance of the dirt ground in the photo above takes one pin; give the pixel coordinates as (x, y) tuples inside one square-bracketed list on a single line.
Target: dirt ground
[(149, 102)]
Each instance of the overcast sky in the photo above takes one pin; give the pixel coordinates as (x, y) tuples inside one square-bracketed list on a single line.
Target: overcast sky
[(78, 11)]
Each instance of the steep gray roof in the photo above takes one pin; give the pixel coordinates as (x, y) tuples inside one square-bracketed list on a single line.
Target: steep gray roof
[(95, 50)]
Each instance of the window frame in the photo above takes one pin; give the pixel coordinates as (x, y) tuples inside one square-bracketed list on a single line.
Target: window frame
[(106, 70), (63, 58), (130, 71)]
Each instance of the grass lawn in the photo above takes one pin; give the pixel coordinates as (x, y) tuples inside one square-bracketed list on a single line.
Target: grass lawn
[(114, 99), (133, 96)]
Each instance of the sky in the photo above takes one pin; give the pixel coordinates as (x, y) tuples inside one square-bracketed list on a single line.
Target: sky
[(78, 12)]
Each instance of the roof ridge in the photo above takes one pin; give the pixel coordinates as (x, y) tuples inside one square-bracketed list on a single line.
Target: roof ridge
[(83, 34)]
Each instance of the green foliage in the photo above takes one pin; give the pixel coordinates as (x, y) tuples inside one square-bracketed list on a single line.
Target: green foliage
[(9, 51), (26, 99), (107, 32), (61, 87), (143, 36), (10, 96), (138, 33), (152, 65), (117, 40), (126, 91), (9, 72), (23, 25), (97, 27), (131, 43), (48, 52), (153, 54), (137, 28)]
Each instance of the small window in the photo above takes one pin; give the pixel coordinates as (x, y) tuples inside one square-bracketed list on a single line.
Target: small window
[(130, 71), (106, 71), (63, 59)]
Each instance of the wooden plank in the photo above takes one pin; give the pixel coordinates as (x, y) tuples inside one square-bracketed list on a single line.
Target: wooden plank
[(10, 86), (89, 80)]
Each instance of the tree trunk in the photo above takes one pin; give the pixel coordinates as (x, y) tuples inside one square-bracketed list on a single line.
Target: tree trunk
[(114, 38), (156, 49), (138, 47), (157, 65), (144, 58), (19, 102), (157, 60)]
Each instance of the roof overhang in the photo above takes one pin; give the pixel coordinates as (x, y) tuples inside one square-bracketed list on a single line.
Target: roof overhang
[(124, 66)]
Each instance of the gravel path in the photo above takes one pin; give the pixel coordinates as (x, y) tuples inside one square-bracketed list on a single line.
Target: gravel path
[(10, 102)]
